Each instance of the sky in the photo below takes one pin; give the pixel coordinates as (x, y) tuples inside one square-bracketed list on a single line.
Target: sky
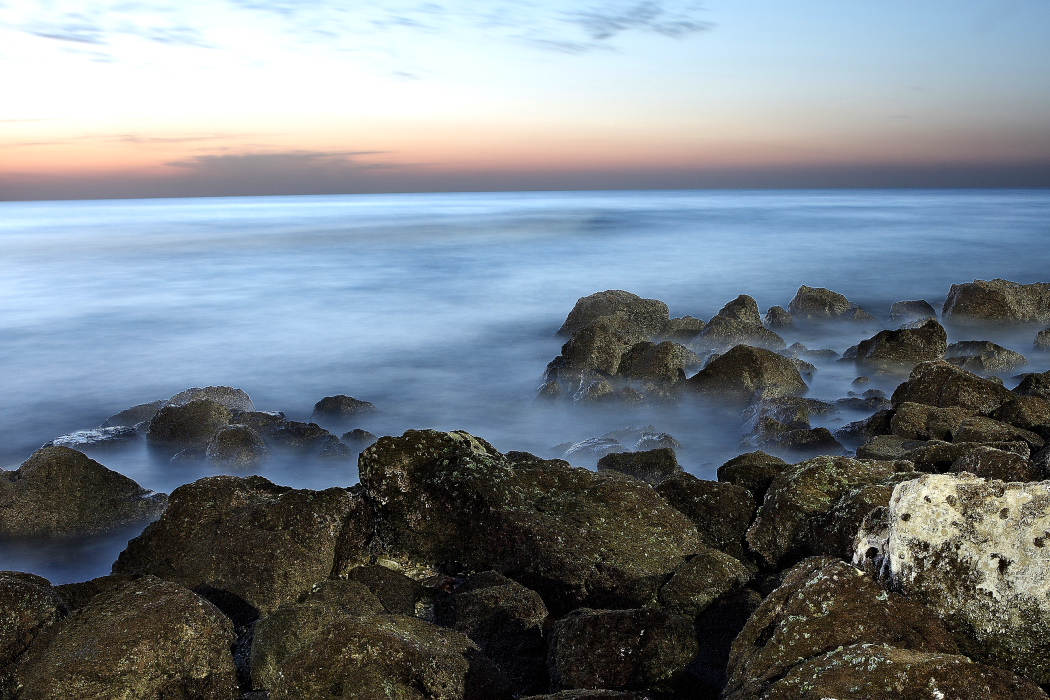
[(142, 98)]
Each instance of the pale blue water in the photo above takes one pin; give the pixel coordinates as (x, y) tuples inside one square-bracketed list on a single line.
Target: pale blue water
[(438, 308)]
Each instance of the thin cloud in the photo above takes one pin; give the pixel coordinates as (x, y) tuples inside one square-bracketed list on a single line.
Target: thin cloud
[(239, 164)]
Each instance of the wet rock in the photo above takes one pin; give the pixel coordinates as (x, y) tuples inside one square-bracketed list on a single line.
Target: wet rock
[(131, 417), (29, 604), (721, 511), (990, 463), (59, 491), (237, 446), (358, 438), (654, 440), (911, 344), (342, 406), (620, 650), (725, 332), (822, 605), (801, 496), (592, 449), (594, 388), (942, 384), (591, 695), (997, 301), (936, 457), (907, 311), (818, 303), (261, 542), (867, 403), (743, 308), (144, 639), (599, 346), (701, 581), (1034, 384), (651, 466), (661, 362), (834, 533), (398, 593), (259, 421), (234, 399), (804, 442), (863, 430), (981, 429), (298, 436), (779, 317), (188, 424), (1042, 340), (97, 438), (884, 671), (736, 375), (753, 471), (917, 421), (972, 551), (788, 412), (1026, 412), (889, 447), (647, 316), (684, 328), (575, 536), (983, 356)]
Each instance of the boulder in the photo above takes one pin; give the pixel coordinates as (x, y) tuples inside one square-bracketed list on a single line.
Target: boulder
[(981, 429), (1034, 384), (342, 406), (596, 694), (799, 500), (261, 542), (997, 301), (684, 328), (724, 332), (29, 604), (721, 511), (642, 649), (575, 536), (130, 417), (701, 581), (599, 345), (358, 438), (824, 604), (399, 594), (646, 316), (974, 552), (592, 449), (1026, 412), (147, 638), (651, 466), (234, 399), (736, 375), (983, 356), (942, 384), (861, 431), (753, 471), (890, 447), (919, 421), (1042, 340), (818, 303), (298, 436), (907, 311), (237, 446), (188, 424), (97, 438), (914, 343), (659, 362), (59, 491), (990, 463), (743, 308), (779, 317)]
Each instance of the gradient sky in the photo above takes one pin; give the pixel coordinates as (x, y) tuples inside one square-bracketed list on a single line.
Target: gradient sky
[(132, 98)]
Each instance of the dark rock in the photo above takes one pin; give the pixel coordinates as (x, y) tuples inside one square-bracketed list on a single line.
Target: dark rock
[(29, 604), (906, 311), (990, 463), (833, 534), (593, 449), (342, 406), (917, 421), (647, 316), (791, 412), (591, 695), (1026, 412), (804, 442), (299, 436), (146, 638), (914, 343), (97, 438), (78, 595), (684, 328), (721, 511), (259, 421), (651, 466), (620, 650), (1042, 340), (997, 301), (724, 332), (237, 446), (889, 447), (335, 450), (944, 385), (594, 388), (234, 399), (983, 356), (600, 346), (701, 581), (868, 403), (189, 424), (1034, 384), (981, 429), (131, 417), (575, 536), (59, 491), (804, 494), (261, 542), (936, 457), (399, 594), (740, 372), (743, 308), (654, 441), (358, 437), (662, 362), (824, 604), (818, 303), (779, 317), (753, 471), (862, 431)]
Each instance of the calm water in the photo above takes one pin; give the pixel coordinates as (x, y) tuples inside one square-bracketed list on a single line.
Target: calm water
[(440, 309)]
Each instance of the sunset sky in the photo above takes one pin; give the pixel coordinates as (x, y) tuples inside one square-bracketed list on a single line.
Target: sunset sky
[(141, 98)]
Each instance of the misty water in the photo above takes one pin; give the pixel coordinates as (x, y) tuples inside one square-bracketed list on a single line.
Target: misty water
[(441, 309)]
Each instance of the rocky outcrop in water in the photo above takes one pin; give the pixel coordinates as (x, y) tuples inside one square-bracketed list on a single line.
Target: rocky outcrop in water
[(997, 301), (911, 344), (820, 304)]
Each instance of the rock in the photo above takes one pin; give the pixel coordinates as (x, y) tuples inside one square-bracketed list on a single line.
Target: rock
[(981, 429), (59, 491), (701, 581), (944, 385), (834, 533), (937, 457), (906, 311), (651, 466), (724, 332), (743, 308), (29, 604), (983, 356), (884, 671), (973, 552), (261, 542), (863, 430), (234, 399), (358, 438), (299, 436), (911, 344), (779, 317), (1042, 340), (736, 375), (1034, 384), (791, 412), (189, 424), (620, 650), (721, 511), (917, 421), (990, 463), (717, 626), (818, 303), (97, 438), (647, 316), (594, 388), (799, 499), (399, 594), (599, 346), (146, 638), (684, 328), (237, 446), (591, 695), (997, 301), (575, 536), (342, 406), (131, 417), (805, 442), (663, 362), (1026, 412), (753, 471), (593, 449), (889, 447), (655, 441), (822, 605)]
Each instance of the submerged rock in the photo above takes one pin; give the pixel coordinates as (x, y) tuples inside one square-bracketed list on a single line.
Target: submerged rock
[(661, 362), (231, 398), (60, 491), (343, 406), (237, 446), (131, 417), (646, 316), (997, 301), (97, 438), (912, 344), (983, 356), (907, 311), (1042, 340), (818, 303), (599, 345), (740, 372), (724, 332)]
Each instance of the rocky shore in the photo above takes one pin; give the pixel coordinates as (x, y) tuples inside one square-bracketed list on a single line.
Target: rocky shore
[(905, 555)]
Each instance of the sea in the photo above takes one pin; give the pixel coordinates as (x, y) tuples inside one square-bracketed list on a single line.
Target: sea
[(442, 309)]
